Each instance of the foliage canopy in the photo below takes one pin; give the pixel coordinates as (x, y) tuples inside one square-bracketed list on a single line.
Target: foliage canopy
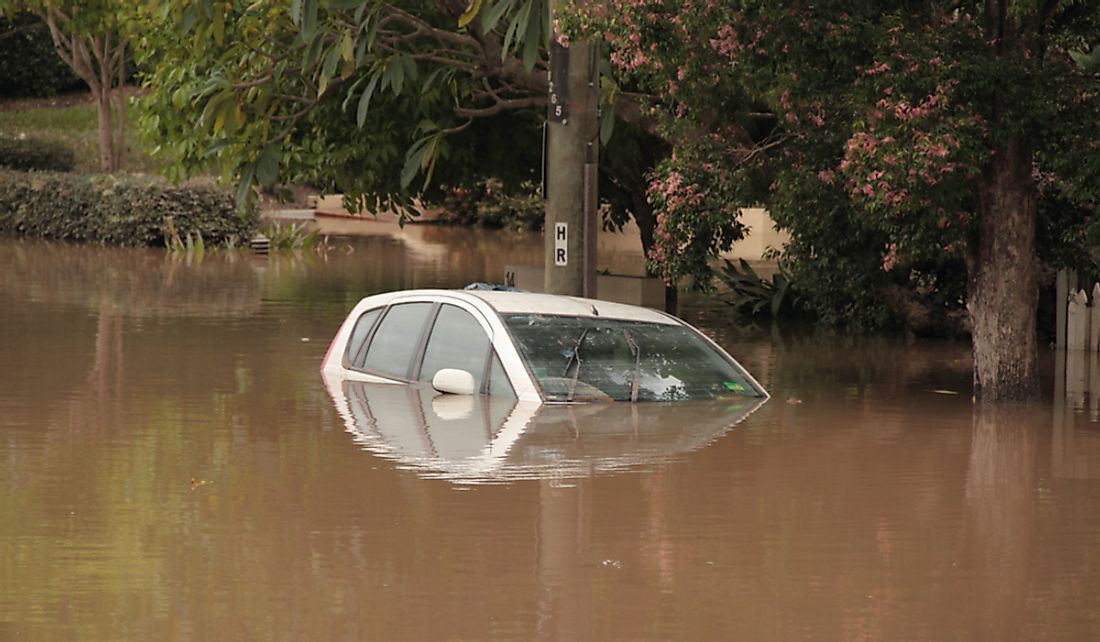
[(864, 127), (360, 96)]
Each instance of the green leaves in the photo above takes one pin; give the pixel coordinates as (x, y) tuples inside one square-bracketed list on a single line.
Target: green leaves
[(492, 16), (306, 19), (607, 125), (422, 156), (529, 29), (267, 167), (357, 95), (244, 188), (365, 98), (469, 14), (756, 296)]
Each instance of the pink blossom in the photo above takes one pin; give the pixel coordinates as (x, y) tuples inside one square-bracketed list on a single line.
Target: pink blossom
[(881, 67), (890, 260)]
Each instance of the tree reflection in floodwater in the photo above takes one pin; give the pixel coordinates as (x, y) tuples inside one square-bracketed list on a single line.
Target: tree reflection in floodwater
[(1000, 491)]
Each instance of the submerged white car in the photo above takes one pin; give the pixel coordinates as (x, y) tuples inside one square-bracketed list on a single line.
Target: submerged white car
[(532, 348)]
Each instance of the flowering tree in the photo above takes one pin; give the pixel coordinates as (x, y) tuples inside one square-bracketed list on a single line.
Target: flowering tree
[(919, 131)]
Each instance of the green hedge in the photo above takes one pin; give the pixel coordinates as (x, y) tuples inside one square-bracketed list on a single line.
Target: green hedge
[(29, 153), (126, 211), (29, 65)]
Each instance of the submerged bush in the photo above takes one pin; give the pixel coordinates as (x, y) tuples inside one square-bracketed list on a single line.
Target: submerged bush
[(28, 153), (128, 211), (754, 295), (488, 205)]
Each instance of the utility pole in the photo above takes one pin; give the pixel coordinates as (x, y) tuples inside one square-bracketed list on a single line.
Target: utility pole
[(572, 159)]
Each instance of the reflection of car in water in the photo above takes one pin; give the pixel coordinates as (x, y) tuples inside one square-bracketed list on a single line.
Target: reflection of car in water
[(534, 348), (487, 439)]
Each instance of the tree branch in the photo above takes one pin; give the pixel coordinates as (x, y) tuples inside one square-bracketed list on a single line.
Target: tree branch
[(760, 148), (424, 28), (498, 107)]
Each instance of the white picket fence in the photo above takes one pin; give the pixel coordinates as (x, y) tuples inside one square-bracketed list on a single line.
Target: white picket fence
[(1078, 320)]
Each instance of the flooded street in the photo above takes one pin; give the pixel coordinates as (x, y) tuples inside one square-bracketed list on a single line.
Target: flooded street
[(173, 467)]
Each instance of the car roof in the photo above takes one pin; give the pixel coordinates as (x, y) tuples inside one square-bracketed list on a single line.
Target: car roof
[(516, 302)]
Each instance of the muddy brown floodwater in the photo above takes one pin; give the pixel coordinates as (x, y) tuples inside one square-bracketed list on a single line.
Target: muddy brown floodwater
[(173, 467)]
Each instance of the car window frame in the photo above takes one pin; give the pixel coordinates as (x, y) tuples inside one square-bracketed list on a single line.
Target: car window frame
[(420, 342), (347, 359), (423, 347), (412, 373)]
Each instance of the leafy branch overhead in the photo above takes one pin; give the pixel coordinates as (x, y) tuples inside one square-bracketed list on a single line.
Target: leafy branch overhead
[(257, 72)]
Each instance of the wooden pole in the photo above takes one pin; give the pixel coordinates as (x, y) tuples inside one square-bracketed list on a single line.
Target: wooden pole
[(572, 156)]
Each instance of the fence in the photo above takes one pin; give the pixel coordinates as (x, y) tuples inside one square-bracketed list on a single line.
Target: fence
[(1078, 322)]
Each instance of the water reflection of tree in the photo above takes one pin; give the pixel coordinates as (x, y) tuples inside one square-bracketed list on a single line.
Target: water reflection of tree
[(1000, 492), (132, 282)]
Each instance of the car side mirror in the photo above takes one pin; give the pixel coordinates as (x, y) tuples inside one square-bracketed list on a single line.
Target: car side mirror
[(452, 381)]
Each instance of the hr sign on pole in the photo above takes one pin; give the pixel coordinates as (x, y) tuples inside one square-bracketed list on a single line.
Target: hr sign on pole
[(561, 244)]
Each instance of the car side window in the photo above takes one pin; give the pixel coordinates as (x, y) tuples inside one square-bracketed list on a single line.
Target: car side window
[(397, 338), (457, 341), (359, 334)]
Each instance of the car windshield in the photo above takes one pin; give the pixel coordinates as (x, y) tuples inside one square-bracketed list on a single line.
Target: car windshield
[(586, 358)]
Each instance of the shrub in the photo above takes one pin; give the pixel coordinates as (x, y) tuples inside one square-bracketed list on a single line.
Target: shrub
[(127, 211), (29, 65), (29, 153), (488, 205), (754, 295)]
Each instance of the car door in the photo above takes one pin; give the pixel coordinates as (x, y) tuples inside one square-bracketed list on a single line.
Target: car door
[(460, 340)]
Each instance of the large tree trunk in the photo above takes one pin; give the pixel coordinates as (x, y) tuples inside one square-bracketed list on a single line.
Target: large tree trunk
[(1003, 289)]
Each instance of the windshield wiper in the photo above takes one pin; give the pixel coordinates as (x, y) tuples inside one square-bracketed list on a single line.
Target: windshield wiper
[(575, 357), (637, 352)]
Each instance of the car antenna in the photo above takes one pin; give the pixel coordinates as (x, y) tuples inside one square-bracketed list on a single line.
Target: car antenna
[(595, 312)]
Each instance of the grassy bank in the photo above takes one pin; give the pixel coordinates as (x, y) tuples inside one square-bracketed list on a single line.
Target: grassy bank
[(72, 120)]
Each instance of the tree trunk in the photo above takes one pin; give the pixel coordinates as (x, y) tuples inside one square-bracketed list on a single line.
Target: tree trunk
[(1003, 287), (119, 102), (93, 58), (106, 140)]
